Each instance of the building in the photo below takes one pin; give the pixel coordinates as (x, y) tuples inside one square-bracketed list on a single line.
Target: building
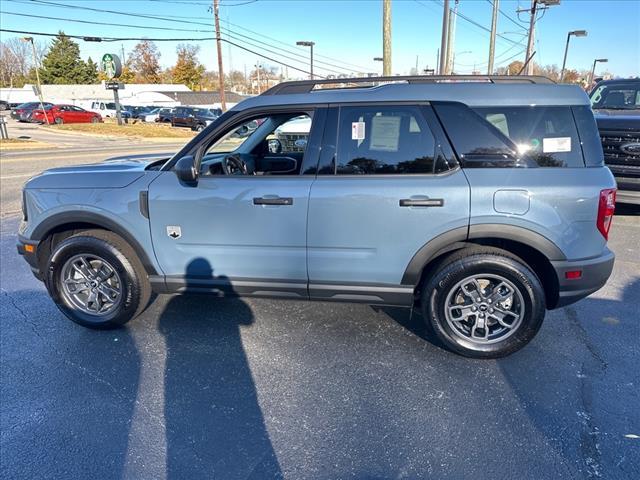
[(161, 95)]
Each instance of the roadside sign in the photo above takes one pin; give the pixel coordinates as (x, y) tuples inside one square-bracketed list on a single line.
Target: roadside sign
[(114, 85), (111, 65)]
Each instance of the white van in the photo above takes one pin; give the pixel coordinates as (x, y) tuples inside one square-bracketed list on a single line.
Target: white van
[(106, 109)]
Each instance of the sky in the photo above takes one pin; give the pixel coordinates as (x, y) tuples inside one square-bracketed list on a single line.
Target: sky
[(347, 33)]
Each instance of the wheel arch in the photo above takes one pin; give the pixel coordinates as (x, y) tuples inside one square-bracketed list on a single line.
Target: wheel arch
[(534, 249), (62, 225)]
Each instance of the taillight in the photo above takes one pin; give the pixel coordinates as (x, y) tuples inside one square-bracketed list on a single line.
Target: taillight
[(606, 207)]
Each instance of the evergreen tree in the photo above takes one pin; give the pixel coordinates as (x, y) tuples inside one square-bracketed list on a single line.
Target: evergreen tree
[(62, 63), (187, 69), (91, 71)]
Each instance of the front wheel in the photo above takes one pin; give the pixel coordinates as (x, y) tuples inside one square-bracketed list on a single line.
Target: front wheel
[(94, 120), (96, 280), (58, 121), (484, 303)]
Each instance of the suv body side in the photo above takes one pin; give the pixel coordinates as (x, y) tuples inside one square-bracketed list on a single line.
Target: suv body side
[(350, 237)]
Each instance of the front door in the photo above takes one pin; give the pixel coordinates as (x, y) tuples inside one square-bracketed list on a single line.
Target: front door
[(243, 227), (393, 187)]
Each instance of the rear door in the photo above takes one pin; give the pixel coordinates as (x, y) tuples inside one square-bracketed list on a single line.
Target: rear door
[(385, 188)]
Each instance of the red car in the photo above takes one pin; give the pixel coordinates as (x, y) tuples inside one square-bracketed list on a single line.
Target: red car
[(64, 114)]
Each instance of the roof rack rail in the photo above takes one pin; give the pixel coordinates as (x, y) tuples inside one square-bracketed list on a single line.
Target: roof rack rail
[(306, 86)]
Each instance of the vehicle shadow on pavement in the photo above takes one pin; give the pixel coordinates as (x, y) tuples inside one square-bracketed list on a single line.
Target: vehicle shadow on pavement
[(214, 423)]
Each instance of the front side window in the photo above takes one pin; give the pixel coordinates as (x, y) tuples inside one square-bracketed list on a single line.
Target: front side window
[(384, 140), (268, 145)]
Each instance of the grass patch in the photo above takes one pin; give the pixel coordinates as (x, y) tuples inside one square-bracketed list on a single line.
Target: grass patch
[(141, 129)]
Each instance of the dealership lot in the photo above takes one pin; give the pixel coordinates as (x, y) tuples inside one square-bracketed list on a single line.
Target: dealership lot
[(200, 387)]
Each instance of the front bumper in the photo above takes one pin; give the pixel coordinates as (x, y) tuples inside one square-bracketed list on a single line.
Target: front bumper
[(29, 250), (595, 273)]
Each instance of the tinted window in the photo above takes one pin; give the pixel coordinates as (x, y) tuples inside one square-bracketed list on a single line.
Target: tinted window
[(512, 136), (589, 136), (384, 140)]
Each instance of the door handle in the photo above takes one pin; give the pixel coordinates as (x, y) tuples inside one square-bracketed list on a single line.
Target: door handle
[(421, 202), (273, 201)]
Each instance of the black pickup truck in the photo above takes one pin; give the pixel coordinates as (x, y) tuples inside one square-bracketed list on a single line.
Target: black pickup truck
[(616, 105)]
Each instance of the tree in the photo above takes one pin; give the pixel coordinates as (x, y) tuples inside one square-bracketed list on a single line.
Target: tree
[(62, 63), (143, 62), (187, 69), (91, 71), (514, 67), (16, 62)]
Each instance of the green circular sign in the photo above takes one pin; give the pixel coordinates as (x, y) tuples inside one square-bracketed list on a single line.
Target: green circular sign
[(111, 66)]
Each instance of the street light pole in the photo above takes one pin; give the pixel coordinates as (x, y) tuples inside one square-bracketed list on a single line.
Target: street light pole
[(576, 33), (35, 61), (310, 45), (593, 69)]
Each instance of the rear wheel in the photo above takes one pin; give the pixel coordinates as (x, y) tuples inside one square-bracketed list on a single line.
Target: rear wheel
[(199, 127), (96, 280), (94, 119), (58, 120), (484, 303)]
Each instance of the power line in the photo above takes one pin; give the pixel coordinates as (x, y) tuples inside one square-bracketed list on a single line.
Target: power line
[(140, 39), (162, 18), (302, 59), (511, 19)]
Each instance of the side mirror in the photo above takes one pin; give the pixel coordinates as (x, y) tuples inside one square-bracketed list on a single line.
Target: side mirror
[(275, 146), (186, 170)]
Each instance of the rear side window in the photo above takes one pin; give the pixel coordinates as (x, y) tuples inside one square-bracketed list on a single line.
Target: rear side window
[(512, 136), (385, 140)]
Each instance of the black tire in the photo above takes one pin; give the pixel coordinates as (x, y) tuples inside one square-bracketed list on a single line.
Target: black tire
[(135, 287), (94, 120), (483, 261), (199, 127), (58, 121)]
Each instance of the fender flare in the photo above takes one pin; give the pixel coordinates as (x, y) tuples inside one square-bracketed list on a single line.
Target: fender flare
[(50, 223), (463, 236)]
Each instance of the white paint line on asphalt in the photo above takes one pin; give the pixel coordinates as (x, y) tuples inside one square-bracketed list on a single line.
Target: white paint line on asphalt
[(4, 177)]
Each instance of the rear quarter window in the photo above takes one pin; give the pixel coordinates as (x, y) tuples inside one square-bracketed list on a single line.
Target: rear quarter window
[(520, 136)]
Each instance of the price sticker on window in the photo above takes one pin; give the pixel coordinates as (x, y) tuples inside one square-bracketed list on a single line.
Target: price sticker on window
[(357, 130), (556, 145)]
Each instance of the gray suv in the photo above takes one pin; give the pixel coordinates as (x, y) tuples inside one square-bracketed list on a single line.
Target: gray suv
[(483, 201)]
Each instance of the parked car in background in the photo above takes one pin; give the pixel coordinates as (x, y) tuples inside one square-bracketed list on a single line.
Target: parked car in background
[(292, 136), (107, 109), (165, 115), (4, 105), (194, 117), (60, 114), (23, 111), (138, 112), (616, 106)]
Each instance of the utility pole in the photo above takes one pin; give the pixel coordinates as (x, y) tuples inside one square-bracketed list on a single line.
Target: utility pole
[(451, 39), (492, 40), (37, 67), (443, 42), (216, 17), (528, 69), (386, 38)]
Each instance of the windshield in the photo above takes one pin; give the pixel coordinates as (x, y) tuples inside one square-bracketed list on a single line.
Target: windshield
[(616, 97)]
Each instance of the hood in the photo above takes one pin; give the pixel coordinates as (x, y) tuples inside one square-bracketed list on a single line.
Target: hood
[(115, 172), (618, 119)]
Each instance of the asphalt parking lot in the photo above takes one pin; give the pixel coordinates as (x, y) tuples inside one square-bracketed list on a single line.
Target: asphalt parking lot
[(200, 387)]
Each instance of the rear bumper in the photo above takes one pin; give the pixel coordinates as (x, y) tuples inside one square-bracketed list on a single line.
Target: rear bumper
[(595, 273)]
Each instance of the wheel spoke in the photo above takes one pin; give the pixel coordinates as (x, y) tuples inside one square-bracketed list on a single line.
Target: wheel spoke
[(465, 311), (472, 290), (108, 291)]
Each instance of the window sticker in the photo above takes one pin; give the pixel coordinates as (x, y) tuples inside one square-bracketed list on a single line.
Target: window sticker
[(556, 145), (385, 134), (357, 130)]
